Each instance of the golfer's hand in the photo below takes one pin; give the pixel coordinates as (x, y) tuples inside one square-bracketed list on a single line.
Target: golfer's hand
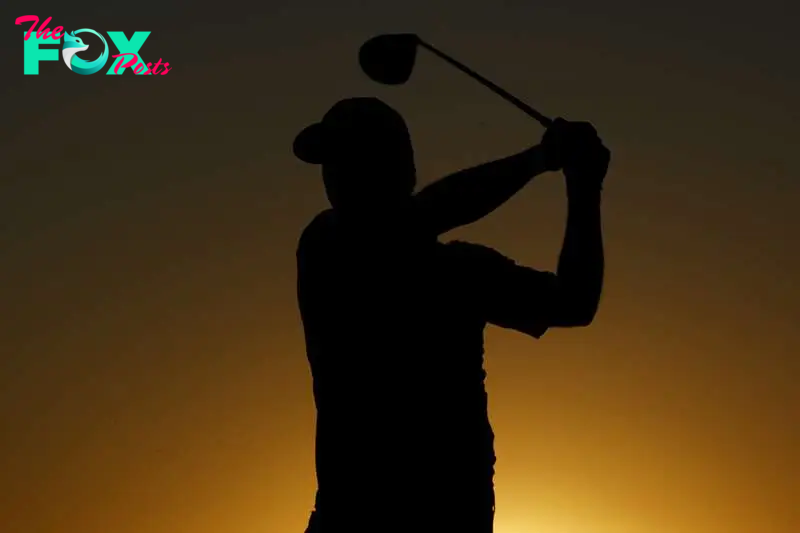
[(554, 144), (575, 148), (586, 160)]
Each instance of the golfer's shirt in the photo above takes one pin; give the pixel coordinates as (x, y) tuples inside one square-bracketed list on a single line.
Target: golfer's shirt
[(394, 336)]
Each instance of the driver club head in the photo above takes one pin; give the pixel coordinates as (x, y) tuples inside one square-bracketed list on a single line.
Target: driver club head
[(389, 58)]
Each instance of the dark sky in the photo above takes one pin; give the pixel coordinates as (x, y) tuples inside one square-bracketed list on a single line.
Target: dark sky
[(152, 372)]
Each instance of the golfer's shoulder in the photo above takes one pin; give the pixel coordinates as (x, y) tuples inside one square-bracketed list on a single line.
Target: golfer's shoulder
[(316, 235), (474, 255)]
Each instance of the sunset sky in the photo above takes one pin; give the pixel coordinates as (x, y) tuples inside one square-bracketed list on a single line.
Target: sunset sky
[(152, 369)]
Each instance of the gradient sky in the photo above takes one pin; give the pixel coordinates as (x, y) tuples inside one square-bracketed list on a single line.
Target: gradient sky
[(152, 368)]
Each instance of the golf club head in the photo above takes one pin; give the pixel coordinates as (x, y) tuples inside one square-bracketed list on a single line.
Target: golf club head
[(389, 58)]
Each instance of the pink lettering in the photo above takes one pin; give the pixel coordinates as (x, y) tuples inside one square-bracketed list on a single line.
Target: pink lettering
[(43, 32), (28, 18), (158, 64), (43, 29), (126, 65)]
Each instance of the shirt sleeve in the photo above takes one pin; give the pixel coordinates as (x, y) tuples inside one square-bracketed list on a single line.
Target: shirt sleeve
[(510, 295)]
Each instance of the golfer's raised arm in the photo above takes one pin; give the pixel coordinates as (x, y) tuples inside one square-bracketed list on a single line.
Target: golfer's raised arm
[(532, 301), (581, 263), (469, 195)]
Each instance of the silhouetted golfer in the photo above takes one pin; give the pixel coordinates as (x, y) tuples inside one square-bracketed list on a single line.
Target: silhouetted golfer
[(394, 319)]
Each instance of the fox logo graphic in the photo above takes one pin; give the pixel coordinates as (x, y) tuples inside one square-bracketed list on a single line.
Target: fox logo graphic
[(73, 45), (128, 56)]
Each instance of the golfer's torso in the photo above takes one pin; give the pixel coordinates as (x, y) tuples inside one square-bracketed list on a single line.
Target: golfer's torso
[(401, 402)]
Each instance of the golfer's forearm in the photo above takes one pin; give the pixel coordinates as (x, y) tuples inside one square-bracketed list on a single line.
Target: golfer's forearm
[(469, 195), (581, 264)]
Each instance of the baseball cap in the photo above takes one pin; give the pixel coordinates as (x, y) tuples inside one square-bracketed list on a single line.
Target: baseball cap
[(360, 127)]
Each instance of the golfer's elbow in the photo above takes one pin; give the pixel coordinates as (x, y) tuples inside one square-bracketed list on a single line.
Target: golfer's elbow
[(579, 306), (583, 313)]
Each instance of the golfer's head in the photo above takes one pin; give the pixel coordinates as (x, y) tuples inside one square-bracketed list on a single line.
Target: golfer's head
[(365, 151)]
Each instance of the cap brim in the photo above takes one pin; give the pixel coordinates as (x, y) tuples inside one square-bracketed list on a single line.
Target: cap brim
[(308, 144)]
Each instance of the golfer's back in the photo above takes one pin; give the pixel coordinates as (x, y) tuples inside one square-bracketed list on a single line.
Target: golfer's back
[(396, 349)]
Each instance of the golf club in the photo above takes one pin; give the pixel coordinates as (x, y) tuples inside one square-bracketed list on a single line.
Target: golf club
[(390, 58)]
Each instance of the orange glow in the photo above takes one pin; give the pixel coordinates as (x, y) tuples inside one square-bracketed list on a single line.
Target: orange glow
[(152, 368)]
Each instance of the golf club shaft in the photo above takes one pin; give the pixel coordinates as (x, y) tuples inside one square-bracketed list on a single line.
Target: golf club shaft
[(543, 120)]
